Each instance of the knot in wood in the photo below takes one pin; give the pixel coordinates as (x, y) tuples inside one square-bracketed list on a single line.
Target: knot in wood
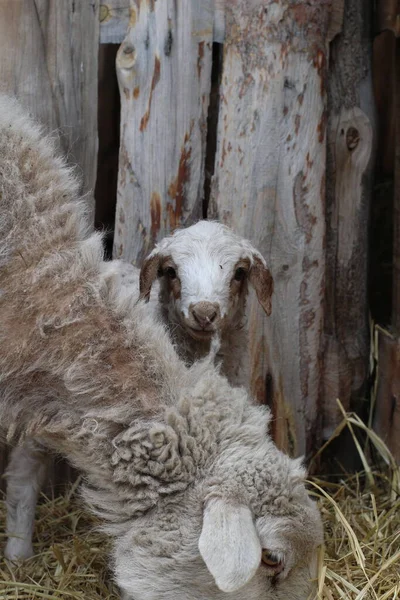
[(352, 138), (104, 12), (129, 50)]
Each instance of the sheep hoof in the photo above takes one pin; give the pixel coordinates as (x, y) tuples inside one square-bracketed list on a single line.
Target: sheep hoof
[(18, 550)]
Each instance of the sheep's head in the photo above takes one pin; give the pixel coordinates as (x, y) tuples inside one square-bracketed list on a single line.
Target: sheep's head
[(244, 525), (204, 273)]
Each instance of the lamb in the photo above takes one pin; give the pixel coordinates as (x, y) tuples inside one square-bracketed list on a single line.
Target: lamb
[(179, 465), (204, 272)]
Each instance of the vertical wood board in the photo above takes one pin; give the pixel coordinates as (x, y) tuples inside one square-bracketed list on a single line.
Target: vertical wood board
[(269, 185), (349, 185), (164, 72)]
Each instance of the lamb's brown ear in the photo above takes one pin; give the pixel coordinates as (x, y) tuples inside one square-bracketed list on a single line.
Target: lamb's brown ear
[(261, 279), (148, 273)]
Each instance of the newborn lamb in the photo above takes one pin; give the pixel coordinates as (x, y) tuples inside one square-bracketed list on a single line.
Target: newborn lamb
[(178, 464)]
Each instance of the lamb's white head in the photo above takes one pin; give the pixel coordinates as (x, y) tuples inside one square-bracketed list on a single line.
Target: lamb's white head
[(204, 272)]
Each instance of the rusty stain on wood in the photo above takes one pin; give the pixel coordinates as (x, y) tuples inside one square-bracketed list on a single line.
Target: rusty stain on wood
[(200, 58), (297, 120), (154, 81), (155, 215), (305, 219), (321, 127), (176, 190)]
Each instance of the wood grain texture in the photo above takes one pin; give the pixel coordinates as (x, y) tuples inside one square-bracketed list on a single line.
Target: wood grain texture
[(349, 186), (164, 72), (115, 19), (269, 185), (387, 409), (48, 60)]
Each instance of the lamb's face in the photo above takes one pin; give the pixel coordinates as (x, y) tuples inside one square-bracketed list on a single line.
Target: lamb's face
[(204, 273), (204, 545)]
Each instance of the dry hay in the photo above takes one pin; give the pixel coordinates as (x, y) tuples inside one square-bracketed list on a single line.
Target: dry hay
[(361, 559), (70, 556)]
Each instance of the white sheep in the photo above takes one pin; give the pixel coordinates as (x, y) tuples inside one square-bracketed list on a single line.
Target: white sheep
[(178, 464)]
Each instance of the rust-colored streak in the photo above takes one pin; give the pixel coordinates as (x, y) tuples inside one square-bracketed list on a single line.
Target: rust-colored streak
[(223, 154), (305, 219), (307, 318), (151, 4), (200, 57), (155, 214), (319, 62), (321, 127), (283, 426), (154, 81), (177, 187), (300, 99), (247, 82), (297, 120), (136, 92)]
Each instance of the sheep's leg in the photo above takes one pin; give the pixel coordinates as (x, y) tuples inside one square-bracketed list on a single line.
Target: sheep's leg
[(26, 473)]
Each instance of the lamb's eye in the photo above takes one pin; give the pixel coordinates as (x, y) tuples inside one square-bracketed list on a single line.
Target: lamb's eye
[(240, 274), (170, 272), (269, 559)]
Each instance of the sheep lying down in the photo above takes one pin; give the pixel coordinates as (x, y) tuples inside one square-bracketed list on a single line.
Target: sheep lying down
[(178, 464)]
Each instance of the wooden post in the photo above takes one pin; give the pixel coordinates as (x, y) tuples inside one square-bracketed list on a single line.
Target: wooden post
[(387, 409), (349, 186), (164, 72), (269, 185), (49, 52)]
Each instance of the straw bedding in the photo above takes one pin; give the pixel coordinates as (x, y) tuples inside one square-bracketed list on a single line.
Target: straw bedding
[(361, 558)]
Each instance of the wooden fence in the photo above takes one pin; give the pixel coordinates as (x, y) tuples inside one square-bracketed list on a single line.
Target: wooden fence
[(259, 113)]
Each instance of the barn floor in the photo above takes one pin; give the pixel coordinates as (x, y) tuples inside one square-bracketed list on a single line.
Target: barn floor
[(361, 560)]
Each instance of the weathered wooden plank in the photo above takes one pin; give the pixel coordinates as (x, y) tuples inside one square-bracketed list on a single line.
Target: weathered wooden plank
[(49, 60), (269, 185), (387, 409), (115, 18), (164, 72), (48, 55), (349, 186)]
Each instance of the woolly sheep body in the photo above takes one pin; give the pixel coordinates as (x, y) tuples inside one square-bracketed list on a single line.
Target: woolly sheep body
[(178, 463)]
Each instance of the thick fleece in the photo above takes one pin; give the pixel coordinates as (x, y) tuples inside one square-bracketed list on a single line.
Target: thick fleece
[(178, 464)]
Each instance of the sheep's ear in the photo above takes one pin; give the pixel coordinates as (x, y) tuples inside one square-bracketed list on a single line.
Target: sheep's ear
[(229, 544), (261, 279), (148, 273)]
